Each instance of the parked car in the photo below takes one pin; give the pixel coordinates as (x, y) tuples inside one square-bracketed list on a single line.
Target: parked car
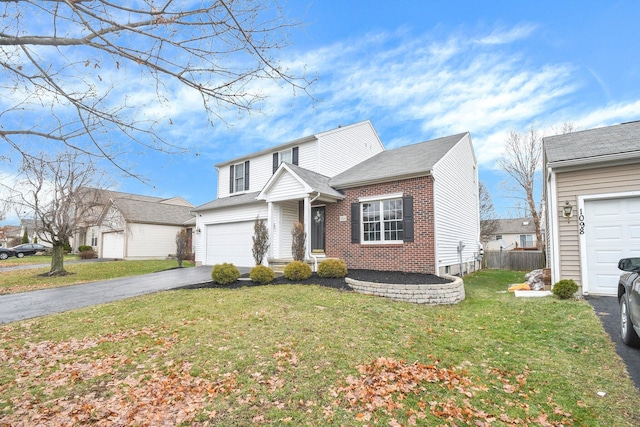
[(28, 249), (6, 253), (629, 299)]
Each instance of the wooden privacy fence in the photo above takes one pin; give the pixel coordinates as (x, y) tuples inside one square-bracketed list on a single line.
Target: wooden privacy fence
[(514, 260)]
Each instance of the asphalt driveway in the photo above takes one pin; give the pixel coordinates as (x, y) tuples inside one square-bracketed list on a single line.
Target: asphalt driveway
[(607, 309), (26, 305)]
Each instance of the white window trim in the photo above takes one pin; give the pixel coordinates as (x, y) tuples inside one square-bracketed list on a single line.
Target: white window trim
[(235, 178), (290, 151), (379, 199), (383, 197)]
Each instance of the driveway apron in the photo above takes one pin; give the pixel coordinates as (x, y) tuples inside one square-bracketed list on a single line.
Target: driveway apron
[(26, 305), (607, 309)]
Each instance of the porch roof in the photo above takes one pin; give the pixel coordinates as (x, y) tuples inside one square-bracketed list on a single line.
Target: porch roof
[(311, 182)]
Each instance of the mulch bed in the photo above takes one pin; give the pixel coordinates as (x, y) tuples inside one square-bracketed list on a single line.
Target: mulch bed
[(395, 277)]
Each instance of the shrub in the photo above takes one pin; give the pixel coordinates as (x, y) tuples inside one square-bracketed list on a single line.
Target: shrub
[(332, 268), (298, 239), (84, 248), (297, 270), (182, 243), (262, 274), (260, 241), (90, 254), (225, 273), (565, 289)]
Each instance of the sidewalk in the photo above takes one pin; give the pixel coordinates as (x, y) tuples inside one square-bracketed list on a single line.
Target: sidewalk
[(14, 307)]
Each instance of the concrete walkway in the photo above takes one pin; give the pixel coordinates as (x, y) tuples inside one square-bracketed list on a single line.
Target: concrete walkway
[(26, 305)]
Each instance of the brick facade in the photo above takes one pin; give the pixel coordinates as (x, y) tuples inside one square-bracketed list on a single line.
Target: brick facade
[(417, 256)]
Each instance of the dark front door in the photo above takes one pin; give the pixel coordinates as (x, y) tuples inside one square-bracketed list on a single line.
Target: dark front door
[(317, 229)]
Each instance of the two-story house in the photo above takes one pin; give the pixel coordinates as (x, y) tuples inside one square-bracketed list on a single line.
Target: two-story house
[(413, 208)]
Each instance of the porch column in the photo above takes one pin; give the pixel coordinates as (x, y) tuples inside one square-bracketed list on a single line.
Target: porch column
[(307, 227), (271, 232)]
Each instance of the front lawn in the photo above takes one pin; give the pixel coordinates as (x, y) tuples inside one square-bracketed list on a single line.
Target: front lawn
[(308, 355), (13, 281)]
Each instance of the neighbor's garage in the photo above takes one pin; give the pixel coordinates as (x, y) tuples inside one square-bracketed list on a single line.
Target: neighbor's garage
[(612, 231), (231, 243), (113, 245)]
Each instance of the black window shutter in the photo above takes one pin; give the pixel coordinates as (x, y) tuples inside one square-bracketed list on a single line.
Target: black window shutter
[(275, 162), (294, 156), (231, 179), (407, 220), (246, 175), (355, 222)]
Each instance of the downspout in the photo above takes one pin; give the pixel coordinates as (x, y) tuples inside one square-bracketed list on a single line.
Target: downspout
[(315, 258)]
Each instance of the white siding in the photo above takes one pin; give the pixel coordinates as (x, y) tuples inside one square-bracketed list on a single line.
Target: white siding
[(287, 185), (150, 241), (343, 148), (456, 206), (288, 215)]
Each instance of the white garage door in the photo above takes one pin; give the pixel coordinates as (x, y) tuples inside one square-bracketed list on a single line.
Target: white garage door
[(230, 243), (113, 245), (612, 230)]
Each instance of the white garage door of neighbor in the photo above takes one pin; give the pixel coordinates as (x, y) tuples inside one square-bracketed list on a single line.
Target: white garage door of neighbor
[(231, 243), (113, 245), (612, 231)]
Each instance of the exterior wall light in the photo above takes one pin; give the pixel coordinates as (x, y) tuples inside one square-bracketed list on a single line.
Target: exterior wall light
[(567, 211)]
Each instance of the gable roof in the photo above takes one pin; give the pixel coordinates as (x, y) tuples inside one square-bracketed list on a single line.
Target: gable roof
[(225, 202), (618, 142), (399, 163), (514, 226), (148, 209), (312, 181)]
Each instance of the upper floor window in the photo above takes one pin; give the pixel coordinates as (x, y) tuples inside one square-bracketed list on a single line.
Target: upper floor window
[(239, 177), (288, 156)]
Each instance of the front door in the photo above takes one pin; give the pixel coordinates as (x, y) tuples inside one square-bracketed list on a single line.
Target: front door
[(317, 229)]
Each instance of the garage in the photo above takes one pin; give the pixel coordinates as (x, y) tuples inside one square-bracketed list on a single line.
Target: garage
[(113, 245), (231, 242), (612, 231)]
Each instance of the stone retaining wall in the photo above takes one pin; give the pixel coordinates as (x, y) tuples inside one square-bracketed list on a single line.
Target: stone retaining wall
[(448, 293)]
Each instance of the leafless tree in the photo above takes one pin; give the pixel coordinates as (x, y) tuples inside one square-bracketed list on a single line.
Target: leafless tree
[(488, 220), (260, 240), (182, 249), (521, 160), (298, 241), (60, 192), (96, 76)]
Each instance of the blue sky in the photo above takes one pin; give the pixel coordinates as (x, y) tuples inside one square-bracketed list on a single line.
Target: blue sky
[(420, 70)]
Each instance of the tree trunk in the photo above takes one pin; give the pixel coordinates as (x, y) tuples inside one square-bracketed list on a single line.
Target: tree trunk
[(57, 261)]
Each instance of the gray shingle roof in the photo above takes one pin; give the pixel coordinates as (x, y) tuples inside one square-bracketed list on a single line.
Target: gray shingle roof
[(404, 162), (148, 209), (316, 181), (224, 202), (590, 145), (515, 226)]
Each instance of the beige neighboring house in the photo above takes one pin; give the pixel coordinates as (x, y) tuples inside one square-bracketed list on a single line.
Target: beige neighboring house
[(513, 233), (8, 233), (133, 226), (35, 236), (592, 193)]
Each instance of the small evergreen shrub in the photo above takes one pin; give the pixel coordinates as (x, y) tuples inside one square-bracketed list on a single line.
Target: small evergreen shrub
[(88, 254), (297, 270), (565, 289), (332, 268), (84, 248), (262, 274), (225, 273)]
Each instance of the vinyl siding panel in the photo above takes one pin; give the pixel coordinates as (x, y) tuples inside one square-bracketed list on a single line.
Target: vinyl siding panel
[(150, 241), (343, 148), (289, 215), (572, 184), (456, 206), (287, 185)]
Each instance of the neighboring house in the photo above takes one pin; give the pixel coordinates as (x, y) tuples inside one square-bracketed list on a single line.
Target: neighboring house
[(515, 233), (593, 204), (413, 208), (34, 233), (9, 235), (132, 226)]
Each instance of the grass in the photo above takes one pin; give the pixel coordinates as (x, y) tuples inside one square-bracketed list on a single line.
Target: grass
[(14, 281), (306, 355)]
